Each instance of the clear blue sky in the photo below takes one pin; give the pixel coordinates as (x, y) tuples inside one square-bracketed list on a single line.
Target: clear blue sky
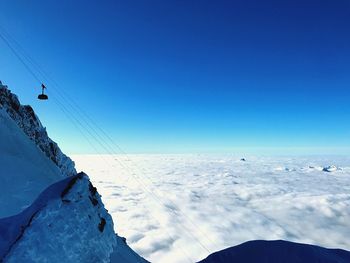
[(190, 76)]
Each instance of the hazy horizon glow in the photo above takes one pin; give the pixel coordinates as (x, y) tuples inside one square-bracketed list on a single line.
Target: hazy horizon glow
[(260, 77)]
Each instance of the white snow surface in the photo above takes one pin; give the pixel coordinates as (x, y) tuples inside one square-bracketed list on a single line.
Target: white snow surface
[(66, 229), (66, 223), (24, 170), (178, 208), (29, 160)]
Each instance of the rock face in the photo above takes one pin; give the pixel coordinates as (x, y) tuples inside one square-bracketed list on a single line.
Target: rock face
[(30, 124)]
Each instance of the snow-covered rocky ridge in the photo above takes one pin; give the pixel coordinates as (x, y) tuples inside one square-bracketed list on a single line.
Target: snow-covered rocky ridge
[(48, 212), (67, 223), (30, 124)]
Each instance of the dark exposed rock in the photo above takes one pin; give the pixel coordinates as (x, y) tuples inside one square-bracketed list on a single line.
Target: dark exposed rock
[(102, 224), (94, 201), (70, 184), (92, 189)]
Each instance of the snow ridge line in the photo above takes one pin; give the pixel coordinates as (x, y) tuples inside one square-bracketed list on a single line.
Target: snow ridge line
[(23, 220), (23, 230)]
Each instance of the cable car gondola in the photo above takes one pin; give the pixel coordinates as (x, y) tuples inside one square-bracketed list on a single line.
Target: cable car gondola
[(42, 96)]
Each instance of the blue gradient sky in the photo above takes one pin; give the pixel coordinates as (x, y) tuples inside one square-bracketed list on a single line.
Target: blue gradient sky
[(190, 76)]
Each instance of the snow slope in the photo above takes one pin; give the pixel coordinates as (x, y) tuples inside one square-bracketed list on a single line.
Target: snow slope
[(67, 223), (48, 213), (222, 201), (25, 170), (30, 160), (12, 228)]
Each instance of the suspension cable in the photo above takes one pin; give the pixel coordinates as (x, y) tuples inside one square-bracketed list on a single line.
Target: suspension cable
[(94, 134)]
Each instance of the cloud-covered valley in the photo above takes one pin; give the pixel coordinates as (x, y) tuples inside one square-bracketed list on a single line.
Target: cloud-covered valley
[(178, 208)]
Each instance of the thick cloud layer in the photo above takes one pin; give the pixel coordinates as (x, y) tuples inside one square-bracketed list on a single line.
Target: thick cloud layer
[(178, 208)]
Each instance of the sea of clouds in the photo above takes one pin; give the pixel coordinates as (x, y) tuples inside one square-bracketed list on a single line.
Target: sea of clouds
[(179, 208)]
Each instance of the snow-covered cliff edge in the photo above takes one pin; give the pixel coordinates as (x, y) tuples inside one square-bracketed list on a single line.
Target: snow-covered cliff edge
[(67, 223), (30, 124), (48, 212)]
